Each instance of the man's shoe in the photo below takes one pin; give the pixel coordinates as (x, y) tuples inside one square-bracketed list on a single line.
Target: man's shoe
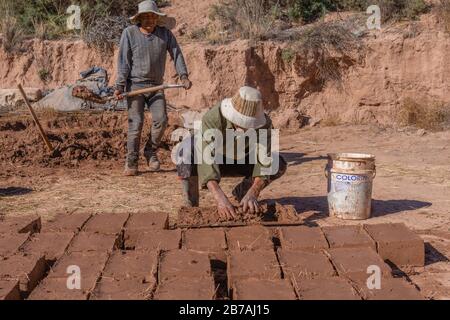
[(153, 163), (130, 172)]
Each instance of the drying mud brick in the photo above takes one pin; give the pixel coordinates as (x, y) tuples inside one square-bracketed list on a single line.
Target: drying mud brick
[(27, 224), (9, 290), (27, 268), (106, 223), (186, 289), (122, 289), (210, 240), (348, 237), (164, 240), (391, 289), (52, 245), (90, 263), (66, 222), (325, 289), (58, 289), (58, 285), (303, 264), (249, 238), (11, 242), (354, 263), (254, 289), (302, 238), (398, 244), (141, 265), (184, 264), (261, 264), (148, 221), (88, 241)]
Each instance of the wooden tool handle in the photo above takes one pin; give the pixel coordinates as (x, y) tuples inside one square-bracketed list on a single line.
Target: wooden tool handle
[(144, 91), (38, 124)]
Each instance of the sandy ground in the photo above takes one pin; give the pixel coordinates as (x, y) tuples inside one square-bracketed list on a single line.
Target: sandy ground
[(412, 186)]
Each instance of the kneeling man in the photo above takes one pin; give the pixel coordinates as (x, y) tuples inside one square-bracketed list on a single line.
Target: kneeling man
[(238, 136)]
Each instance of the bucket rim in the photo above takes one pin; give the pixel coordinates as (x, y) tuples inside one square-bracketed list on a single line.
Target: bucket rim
[(347, 156)]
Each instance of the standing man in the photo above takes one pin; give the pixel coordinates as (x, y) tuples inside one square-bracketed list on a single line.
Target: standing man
[(141, 64)]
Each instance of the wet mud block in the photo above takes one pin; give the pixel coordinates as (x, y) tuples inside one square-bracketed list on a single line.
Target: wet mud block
[(11, 242), (186, 289), (302, 238), (9, 290), (209, 240), (140, 265), (184, 264), (59, 284), (348, 237), (66, 222), (88, 241), (52, 245), (254, 289), (29, 269), (148, 221), (304, 264), (354, 263), (164, 240), (391, 289), (122, 289), (90, 265), (249, 238), (106, 223), (26, 224), (259, 264), (335, 288), (396, 243), (59, 289)]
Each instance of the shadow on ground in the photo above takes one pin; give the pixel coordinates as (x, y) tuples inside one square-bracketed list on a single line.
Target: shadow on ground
[(296, 158), (318, 206), (14, 191)]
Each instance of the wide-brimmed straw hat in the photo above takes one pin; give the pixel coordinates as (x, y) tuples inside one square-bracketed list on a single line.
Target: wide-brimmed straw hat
[(149, 6), (245, 109)]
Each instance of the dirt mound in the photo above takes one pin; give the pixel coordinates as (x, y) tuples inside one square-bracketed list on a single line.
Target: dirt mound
[(78, 137)]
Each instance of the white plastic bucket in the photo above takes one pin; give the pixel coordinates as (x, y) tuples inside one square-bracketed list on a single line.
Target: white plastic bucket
[(350, 180)]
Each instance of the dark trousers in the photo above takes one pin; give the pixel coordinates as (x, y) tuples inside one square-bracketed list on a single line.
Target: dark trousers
[(156, 102), (227, 170)]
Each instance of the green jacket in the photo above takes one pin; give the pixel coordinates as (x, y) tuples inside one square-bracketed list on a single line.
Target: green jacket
[(213, 119)]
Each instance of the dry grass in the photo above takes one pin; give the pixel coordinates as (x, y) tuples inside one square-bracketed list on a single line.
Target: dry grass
[(247, 19), (428, 116), (443, 12), (12, 33)]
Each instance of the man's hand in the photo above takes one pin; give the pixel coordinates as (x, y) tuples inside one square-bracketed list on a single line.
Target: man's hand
[(224, 206), (226, 209), (186, 83), (250, 203), (118, 95)]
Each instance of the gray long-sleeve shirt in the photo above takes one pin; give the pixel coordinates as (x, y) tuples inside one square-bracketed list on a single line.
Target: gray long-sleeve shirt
[(142, 58)]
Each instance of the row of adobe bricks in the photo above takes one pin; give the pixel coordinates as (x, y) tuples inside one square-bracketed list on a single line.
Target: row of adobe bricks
[(104, 232)]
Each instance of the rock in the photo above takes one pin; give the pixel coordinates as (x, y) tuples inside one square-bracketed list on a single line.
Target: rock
[(421, 132)]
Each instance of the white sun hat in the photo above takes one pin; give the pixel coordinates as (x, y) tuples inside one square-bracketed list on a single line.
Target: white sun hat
[(149, 6), (245, 109)]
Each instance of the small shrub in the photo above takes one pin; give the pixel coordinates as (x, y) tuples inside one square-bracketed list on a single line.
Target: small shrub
[(422, 115), (44, 74), (322, 43), (288, 55)]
